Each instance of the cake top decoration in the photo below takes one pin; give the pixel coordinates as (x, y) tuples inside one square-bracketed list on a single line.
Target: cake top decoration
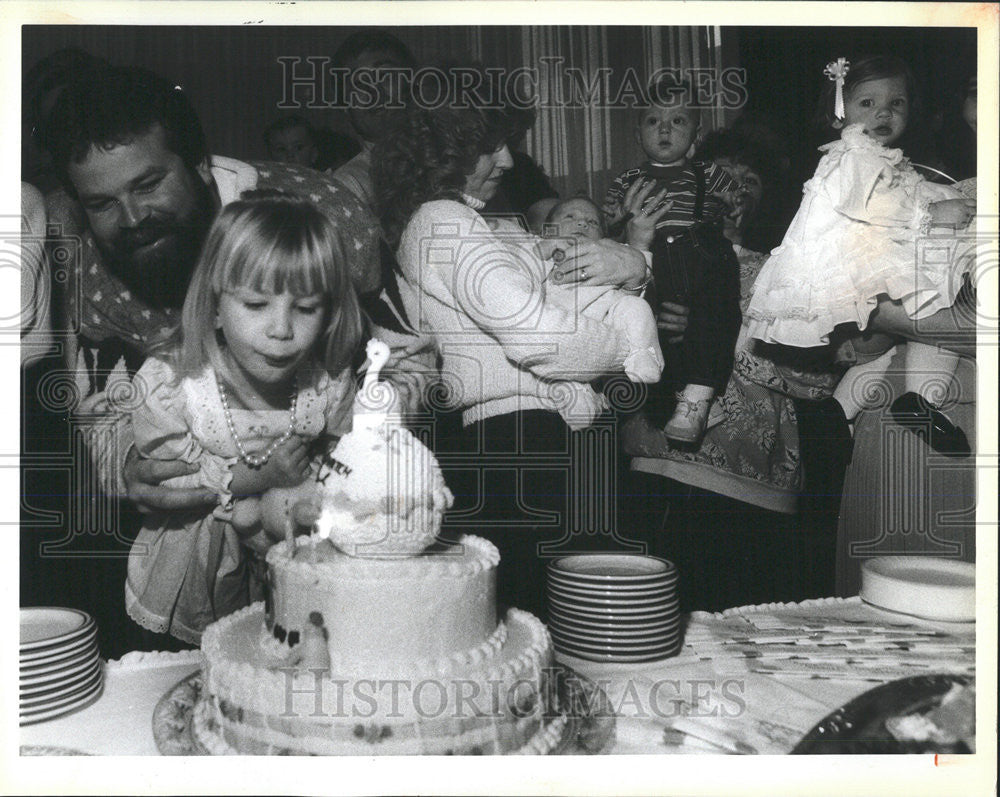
[(381, 490), (375, 399)]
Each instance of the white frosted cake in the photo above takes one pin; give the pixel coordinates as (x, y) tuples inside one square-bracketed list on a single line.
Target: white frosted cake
[(368, 644), (415, 661)]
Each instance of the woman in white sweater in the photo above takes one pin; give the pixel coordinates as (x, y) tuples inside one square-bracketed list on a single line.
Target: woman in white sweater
[(520, 368)]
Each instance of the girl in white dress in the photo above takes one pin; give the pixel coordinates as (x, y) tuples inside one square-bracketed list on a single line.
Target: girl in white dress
[(869, 226), (258, 369)]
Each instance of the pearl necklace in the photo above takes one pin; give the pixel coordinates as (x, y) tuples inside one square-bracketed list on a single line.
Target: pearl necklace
[(473, 202), (257, 460)]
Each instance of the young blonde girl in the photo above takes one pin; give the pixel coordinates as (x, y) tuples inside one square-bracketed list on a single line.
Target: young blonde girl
[(870, 226), (258, 369)]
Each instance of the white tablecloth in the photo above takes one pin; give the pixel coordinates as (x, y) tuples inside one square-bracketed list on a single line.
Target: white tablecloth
[(121, 721), (758, 678), (766, 703)]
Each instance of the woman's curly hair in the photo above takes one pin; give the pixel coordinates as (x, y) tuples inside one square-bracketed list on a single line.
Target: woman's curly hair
[(760, 149), (428, 152)]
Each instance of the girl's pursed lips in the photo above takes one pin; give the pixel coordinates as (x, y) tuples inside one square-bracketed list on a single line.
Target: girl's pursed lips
[(278, 359)]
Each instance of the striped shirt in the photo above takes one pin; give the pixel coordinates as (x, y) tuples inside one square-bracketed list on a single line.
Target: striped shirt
[(681, 185)]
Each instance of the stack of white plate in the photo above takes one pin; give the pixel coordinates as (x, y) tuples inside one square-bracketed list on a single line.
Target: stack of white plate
[(614, 607), (924, 586), (61, 669)]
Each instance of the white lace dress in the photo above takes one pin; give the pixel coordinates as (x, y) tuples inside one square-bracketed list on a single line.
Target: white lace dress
[(187, 568), (863, 229)]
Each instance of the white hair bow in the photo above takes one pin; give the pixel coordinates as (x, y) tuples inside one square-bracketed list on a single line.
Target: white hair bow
[(837, 71)]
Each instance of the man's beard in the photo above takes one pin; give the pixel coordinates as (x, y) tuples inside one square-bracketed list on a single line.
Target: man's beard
[(160, 277)]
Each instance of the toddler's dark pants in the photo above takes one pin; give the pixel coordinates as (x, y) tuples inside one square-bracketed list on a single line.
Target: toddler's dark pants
[(695, 267)]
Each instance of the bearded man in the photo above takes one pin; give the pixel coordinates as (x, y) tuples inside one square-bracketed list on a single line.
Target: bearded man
[(140, 192)]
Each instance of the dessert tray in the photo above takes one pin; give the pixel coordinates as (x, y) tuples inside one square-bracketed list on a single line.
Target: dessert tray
[(860, 726), (589, 729)]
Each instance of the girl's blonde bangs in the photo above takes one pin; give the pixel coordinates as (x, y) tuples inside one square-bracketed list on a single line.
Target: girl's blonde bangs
[(296, 258)]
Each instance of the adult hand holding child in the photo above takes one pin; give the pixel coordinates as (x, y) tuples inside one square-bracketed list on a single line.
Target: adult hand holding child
[(956, 213), (643, 212), (673, 317), (143, 480), (603, 262)]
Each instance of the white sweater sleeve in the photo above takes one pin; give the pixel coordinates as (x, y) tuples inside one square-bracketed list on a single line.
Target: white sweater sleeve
[(496, 282)]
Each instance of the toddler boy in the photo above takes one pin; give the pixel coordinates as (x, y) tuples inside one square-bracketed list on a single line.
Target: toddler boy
[(693, 263)]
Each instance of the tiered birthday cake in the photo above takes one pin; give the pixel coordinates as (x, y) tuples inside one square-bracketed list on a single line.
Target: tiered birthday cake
[(370, 642)]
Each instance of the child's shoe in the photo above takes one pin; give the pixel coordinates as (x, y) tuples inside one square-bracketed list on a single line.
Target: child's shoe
[(690, 418), (914, 412)]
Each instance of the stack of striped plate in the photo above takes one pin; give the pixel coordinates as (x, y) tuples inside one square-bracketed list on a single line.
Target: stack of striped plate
[(61, 669), (614, 607)]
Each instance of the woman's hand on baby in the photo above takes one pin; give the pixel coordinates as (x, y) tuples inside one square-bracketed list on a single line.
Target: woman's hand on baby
[(673, 318), (956, 213), (645, 212), (603, 262), (555, 249), (288, 465)]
